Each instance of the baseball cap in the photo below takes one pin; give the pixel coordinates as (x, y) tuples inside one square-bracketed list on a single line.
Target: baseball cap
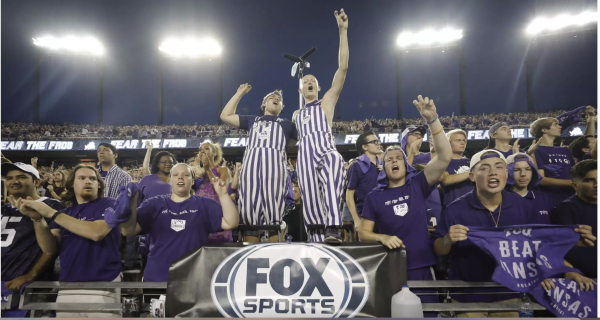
[(20, 166), (410, 129), (497, 126), (480, 156)]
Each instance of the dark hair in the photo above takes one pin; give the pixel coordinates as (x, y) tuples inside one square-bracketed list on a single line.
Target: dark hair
[(110, 146), (156, 159), (419, 167), (68, 196), (578, 144), (362, 140), (582, 168)]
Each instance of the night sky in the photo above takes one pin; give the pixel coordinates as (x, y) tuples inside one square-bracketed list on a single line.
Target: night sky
[(254, 34)]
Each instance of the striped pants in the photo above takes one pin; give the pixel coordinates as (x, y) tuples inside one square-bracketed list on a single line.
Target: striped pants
[(263, 187), (321, 180)]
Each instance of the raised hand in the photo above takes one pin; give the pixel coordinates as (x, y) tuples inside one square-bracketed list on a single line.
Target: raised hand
[(34, 162), (149, 145), (516, 147), (415, 146), (426, 108), (342, 19), (590, 111), (238, 166), (220, 186), (244, 88), (534, 145)]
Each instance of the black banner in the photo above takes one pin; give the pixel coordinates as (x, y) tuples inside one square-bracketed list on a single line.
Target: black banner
[(232, 142), (286, 280)]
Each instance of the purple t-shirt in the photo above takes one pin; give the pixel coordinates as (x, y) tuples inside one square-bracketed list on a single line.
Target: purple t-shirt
[(175, 228), (82, 259), (456, 190), (467, 261), (422, 158), (541, 205), (556, 163), (362, 183), (401, 212), (434, 207), (575, 211), (103, 174), (151, 186)]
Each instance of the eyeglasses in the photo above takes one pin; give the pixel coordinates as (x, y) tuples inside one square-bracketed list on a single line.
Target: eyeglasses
[(166, 162), (375, 142)]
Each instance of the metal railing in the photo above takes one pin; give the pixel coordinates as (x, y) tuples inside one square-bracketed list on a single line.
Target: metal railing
[(26, 301)]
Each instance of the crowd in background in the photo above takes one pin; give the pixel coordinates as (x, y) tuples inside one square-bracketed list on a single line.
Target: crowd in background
[(70, 131)]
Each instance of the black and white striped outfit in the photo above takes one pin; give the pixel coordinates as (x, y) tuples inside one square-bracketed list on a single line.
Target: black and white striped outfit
[(263, 178)]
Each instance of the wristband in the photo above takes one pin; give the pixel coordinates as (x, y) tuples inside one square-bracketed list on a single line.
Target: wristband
[(54, 216), (438, 132), (432, 121)]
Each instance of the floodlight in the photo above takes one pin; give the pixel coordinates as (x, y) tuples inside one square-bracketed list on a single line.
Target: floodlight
[(560, 22), (428, 37), (70, 44)]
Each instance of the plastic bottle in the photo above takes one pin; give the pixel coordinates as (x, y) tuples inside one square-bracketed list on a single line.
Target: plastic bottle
[(406, 304), (525, 306)]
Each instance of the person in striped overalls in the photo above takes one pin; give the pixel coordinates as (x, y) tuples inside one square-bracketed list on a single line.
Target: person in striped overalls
[(263, 180), (320, 167)]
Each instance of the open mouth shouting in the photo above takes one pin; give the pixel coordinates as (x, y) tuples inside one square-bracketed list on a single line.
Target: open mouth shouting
[(493, 183)]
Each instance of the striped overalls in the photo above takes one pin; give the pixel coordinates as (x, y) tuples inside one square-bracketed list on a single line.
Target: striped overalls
[(320, 169), (263, 179)]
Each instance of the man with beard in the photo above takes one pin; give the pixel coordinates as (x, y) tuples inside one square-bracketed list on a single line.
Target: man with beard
[(89, 248), (22, 259)]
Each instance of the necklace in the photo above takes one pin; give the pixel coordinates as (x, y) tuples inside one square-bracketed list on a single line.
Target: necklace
[(496, 222)]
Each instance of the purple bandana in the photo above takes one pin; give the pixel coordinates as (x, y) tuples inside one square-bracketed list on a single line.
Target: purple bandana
[(382, 180), (364, 162), (566, 300), (527, 254), (535, 178)]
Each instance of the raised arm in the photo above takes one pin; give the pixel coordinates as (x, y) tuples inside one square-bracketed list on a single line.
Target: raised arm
[(436, 167), (228, 115), (331, 97), (231, 217), (590, 128), (146, 165), (454, 178)]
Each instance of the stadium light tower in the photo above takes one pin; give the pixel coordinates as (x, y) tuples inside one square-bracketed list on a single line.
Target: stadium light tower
[(559, 25), (68, 45), (190, 48), (428, 39)]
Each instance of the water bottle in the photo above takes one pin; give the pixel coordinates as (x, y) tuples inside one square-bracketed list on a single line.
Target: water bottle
[(525, 306), (406, 304)]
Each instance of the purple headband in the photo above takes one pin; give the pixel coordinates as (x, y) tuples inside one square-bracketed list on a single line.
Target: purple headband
[(495, 155)]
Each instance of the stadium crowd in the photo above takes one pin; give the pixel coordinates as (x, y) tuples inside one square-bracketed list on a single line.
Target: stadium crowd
[(70, 131), (67, 206)]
